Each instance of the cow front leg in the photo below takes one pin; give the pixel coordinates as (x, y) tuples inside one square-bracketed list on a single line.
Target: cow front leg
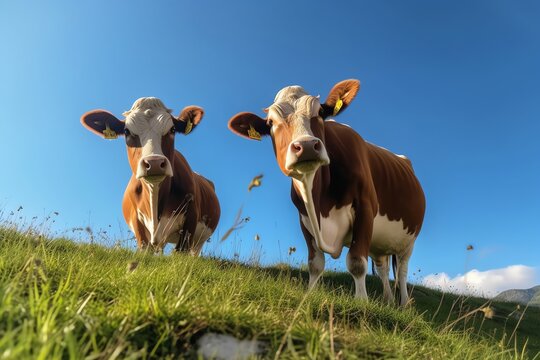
[(315, 258), (357, 263), (141, 234), (315, 266)]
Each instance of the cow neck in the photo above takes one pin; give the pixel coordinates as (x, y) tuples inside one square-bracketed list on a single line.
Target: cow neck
[(304, 190), (157, 194)]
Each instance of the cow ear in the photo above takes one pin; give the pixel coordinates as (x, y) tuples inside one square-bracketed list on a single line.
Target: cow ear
[(341, 95), (249, 125), (188, 119), (103, 123)]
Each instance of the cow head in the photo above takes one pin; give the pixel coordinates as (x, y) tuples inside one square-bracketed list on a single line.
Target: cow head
[(149, 130), (295, 121)]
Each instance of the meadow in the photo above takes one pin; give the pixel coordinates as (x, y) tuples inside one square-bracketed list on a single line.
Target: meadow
[(73, 300)]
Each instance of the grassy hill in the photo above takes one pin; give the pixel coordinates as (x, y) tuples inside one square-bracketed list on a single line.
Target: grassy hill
[(61, 299)]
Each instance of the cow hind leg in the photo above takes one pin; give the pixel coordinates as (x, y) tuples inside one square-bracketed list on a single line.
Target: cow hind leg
[(401, 281), (383, 270)]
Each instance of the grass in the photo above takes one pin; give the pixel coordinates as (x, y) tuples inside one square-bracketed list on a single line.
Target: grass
[(61, 299)]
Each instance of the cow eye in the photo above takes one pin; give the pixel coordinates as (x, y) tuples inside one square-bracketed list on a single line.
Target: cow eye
[(270, 123), (172, 131), (127, 132)]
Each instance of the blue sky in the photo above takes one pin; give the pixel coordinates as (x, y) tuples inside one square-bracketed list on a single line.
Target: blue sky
[(452, 85)]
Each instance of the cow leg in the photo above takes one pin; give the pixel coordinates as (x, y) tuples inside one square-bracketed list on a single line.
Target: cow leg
[(383, 270), (358, 253), (402, 270), (316, 266), (141, 234), (315, 258)]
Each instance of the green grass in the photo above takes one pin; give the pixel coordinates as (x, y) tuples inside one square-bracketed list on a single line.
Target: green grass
[(61, 299)]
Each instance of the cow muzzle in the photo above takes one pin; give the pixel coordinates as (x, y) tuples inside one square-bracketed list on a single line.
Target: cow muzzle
[(306, 155), (154, 168)]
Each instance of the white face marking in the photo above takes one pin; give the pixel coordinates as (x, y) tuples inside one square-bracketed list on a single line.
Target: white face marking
[(390, 237), (150, 120), (335, 230), (295, 106)]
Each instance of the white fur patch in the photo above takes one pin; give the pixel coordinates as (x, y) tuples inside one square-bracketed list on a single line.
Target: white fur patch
[(150, 120), (335, 229), (302, 189), (390, 237)]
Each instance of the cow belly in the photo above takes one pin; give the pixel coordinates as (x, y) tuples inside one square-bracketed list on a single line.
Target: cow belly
[(336, 229), (389, 237)]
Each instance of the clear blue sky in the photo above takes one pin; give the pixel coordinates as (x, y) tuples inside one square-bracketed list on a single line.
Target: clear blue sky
[(453, 85)]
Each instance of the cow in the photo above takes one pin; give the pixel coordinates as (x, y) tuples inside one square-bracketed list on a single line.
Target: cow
[(348, 192), (165, 201)]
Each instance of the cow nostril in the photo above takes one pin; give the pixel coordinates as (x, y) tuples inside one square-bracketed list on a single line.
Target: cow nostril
[(317, 146), (162, 165), (147, 165), (297, 147)]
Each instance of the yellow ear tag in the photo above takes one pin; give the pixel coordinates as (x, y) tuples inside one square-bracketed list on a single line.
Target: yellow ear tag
[(253, 134), (189, 127), (338, 106), (109, 134)]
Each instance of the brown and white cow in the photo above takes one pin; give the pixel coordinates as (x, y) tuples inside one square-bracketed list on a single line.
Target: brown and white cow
[(348, 192), (165, 201)]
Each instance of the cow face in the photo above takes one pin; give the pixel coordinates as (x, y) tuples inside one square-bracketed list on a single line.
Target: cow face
[(149, 130), (295, 121)]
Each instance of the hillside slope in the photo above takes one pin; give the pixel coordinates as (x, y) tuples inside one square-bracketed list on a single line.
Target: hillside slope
[(521, 296), (60, 299)]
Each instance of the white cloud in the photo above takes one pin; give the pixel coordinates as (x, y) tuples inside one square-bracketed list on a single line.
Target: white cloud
[(485, 283)]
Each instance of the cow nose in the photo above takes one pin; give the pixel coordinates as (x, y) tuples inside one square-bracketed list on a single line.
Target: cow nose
[(306, 150), (154, 165)]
